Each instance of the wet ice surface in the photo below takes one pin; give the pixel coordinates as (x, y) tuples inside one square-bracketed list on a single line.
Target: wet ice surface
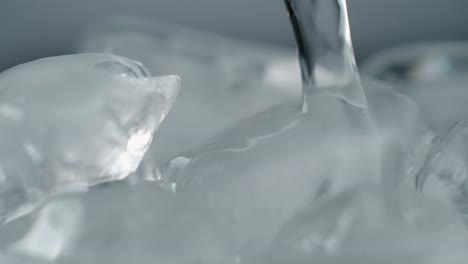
[(223, 216), (224, 80), (433, 74), (350, 174), (257, 174), (74, 121)]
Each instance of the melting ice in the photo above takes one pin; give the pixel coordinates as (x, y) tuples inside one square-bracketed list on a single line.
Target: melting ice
[(318, 180), (260, 172)]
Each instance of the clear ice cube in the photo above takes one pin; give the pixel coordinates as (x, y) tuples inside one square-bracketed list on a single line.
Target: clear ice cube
[(370, 225), (73, 121), (225, 80), (433, 74)]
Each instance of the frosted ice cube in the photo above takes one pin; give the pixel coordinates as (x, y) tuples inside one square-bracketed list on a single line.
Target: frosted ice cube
[(371, 225), (73, 121), (226, 80), (114, 223), (433, 74), (260, 172)]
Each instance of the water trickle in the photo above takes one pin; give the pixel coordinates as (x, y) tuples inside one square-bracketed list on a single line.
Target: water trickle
[(325, 50), (254, 176)]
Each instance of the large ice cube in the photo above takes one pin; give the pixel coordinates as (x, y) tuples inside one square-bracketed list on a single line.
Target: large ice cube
[(114, 223), (259, 173), (371, 225), (73, 121), (433, 74), (225, 80)]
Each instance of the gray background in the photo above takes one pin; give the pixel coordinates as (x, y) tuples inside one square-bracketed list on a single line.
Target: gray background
[(35, 28)]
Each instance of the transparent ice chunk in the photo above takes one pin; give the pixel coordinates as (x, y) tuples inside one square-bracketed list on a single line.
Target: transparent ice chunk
[(226, 80), (73, 121), (433, 74), (370, 225), (114, 223)]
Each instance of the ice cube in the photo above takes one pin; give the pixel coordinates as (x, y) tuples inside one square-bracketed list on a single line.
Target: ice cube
[(440, 168), (370, 225), (260, 172), (433, 74), (226, 80), (73, 121), (114, 223)]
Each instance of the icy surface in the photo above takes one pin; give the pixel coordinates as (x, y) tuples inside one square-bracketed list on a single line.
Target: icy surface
[(440, 167), (318, 180), (372, 225), (433, 74), (73, 121), (114, 223), (224, 80), (257, 174)]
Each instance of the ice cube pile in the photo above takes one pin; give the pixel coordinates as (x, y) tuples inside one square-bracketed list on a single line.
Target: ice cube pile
[(97, 167)]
